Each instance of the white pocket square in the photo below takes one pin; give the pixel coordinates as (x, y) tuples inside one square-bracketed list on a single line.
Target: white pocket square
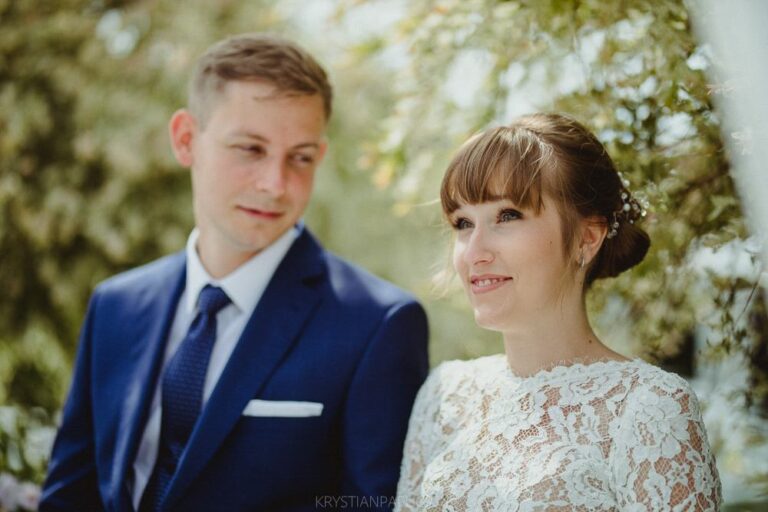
[(282, 408)]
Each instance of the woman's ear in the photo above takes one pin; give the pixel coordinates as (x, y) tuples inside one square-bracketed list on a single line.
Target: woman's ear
[(182, 128), (593, 232)]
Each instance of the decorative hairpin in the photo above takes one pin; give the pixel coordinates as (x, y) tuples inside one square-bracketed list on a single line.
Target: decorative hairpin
[(631, 209)]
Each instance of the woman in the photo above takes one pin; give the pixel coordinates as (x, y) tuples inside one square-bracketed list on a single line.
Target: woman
[(560, 421)]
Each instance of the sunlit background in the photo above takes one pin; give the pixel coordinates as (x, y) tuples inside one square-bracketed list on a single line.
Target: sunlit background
[(88, 186)]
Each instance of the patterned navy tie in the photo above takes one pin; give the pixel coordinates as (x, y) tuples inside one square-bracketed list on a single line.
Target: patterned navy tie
[(182, 394)]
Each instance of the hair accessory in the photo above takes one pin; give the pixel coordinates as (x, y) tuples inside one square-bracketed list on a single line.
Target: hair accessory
[(631, 209)]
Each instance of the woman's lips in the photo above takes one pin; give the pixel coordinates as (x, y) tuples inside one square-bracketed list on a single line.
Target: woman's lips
[(487, 283), (261, 214)]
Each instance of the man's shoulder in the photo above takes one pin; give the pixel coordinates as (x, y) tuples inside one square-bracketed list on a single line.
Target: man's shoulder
[(351, 282), (160, 272)]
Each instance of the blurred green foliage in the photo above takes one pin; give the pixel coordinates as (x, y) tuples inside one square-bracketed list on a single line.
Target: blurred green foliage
[(88, 186), (634, 73)]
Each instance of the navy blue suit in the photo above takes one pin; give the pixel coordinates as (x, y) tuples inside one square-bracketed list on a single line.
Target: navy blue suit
[(324, 331)]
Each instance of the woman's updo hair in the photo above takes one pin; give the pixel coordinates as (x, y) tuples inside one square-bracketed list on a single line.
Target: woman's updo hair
[(553, 155)]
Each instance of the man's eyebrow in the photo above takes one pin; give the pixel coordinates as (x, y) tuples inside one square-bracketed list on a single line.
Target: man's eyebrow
[(250, 135), (314, 145), (256, 136)]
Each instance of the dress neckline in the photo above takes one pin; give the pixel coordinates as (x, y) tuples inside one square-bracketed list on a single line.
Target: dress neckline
[(568, 368)]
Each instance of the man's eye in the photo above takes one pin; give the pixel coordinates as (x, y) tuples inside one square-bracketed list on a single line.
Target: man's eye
[(303, 159), (251, 149), (461, 223), (509, 215)]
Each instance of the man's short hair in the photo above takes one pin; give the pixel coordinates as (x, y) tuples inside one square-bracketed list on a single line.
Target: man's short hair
[(256, 57)]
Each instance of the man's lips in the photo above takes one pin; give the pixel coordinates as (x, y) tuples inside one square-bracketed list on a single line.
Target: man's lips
[(487, 282), (261, 214)]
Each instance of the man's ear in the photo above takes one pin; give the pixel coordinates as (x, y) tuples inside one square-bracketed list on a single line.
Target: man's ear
[(322, 150), (593, 231), (183, 129)]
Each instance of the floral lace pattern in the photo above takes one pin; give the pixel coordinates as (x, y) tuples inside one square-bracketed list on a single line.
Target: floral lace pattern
[(612, 435)]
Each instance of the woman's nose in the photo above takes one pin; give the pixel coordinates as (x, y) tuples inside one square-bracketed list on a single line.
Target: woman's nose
[(478, 250)]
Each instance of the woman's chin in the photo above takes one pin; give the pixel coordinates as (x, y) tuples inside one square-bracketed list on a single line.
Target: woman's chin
[(490, 321)]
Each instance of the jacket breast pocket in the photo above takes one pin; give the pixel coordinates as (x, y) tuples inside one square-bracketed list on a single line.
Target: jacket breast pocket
[(282, 409)]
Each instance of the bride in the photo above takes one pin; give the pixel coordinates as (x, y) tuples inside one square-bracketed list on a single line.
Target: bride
[(560, 421)]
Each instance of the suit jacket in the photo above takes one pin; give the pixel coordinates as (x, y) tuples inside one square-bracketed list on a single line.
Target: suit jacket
[(324, 331)]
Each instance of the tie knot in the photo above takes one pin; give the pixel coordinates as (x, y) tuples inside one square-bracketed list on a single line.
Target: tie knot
[(212, 299)]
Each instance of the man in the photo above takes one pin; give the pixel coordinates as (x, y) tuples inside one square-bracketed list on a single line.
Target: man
[(255, 370)]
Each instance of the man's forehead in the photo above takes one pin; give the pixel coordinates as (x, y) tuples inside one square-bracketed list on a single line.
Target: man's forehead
[(282, 110), (263, 90)]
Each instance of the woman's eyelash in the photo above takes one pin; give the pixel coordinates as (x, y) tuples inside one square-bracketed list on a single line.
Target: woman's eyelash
[(460, 223), (505, 215), (508, 214)]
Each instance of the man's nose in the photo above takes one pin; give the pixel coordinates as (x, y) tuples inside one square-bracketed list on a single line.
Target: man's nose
[(271, 177)]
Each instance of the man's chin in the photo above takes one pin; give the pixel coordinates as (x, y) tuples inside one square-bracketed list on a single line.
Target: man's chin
[(263, 241)]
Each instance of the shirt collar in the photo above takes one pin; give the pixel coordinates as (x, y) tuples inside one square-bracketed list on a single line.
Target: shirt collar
[(245, 285)]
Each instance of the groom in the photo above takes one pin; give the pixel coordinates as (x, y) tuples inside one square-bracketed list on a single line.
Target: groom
[(254, 370)]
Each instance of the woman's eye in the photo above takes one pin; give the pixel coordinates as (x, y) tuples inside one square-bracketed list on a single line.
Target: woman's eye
[(461, 223), (509, 215)]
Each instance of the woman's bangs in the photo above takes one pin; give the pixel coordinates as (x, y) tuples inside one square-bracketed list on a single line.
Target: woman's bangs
[(499, 164)]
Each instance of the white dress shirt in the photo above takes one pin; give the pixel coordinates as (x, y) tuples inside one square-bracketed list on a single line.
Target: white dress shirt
[(244, 286)]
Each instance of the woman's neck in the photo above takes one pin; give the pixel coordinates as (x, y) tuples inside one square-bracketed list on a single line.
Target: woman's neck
[(563, 335)]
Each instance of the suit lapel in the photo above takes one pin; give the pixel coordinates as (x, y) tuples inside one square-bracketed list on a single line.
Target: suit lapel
[(153, 310), (272, 330)]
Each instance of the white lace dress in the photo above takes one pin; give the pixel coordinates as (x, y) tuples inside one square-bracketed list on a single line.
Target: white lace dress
[(612, 435)]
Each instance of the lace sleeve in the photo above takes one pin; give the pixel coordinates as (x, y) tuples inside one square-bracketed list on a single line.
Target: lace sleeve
[(423, 436), (662, 459)]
